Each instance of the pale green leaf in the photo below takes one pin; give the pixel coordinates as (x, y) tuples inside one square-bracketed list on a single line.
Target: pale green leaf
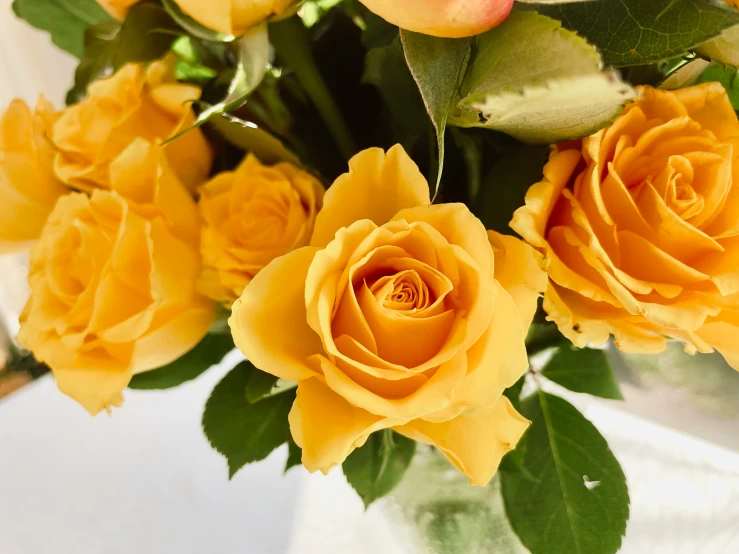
[(244, 432), (724, 48), (376, 468), (572, 497), (538, 82), (209, 351), (64, 20), (636, 32), (437, 65), (585, 370), (687, 75), (254, 57)]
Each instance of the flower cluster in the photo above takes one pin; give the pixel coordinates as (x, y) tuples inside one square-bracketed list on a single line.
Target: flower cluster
[(203, 172)]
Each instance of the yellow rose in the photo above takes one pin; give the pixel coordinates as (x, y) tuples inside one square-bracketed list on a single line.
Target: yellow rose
[(28, 187), (113, 281), (641, 225), (443, 18), (398, 315), (134, 102), (251, 216)]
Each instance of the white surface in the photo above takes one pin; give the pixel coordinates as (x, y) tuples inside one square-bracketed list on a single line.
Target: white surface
[(145, 481), (142, 481)]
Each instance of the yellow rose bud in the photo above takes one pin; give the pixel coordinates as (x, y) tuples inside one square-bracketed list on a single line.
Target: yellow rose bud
[(399, 315), (113, 281), (117, 8), (251, 216), (28, 186), (230, 17), (641, 225), (134, 102), (233, 17), (443, 18)]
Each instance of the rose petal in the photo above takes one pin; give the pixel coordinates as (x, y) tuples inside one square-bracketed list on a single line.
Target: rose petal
[(475, 441), (268, 322), (377, 187), (327, 427)]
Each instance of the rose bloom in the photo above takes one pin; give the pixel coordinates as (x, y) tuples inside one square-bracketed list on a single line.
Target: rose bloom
[(230, 17), (113, 281), (443, 18), (399, 315), (134, 102), (28, 187), (641, 225), (251, 216)]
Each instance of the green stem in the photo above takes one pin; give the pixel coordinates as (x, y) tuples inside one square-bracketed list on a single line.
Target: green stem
[(291, 41)]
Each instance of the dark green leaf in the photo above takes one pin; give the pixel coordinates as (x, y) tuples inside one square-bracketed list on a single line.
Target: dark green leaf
[(292, 44), (249, 137), (259, 386), (578, 502), (437, 65), (538, 82), (634, 32), (585, 370), (146, 34), (244, 432), (209, 351), (727, 76), (64, 20), (386, 69), (294, 455), (376, 468), (504, 189)]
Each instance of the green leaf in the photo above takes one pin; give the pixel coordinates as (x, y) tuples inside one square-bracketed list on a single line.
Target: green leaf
[(538, 82), (635, 32), (437, 65), (249, 137), (578, 501), (244, 432), (209, 352), (146, 34), (504, 189), (64, 20), (727, 76), (386, 69), (585, 370), (376, 468), (294, 455), (514, 393), (253, 55), (724, 48), (259, 386)]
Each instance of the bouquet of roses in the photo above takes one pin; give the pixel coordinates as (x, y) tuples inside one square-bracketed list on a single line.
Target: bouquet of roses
[(368, 199)]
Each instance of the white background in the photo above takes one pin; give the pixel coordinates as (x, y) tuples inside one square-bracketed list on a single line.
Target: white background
[(145, 480)]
